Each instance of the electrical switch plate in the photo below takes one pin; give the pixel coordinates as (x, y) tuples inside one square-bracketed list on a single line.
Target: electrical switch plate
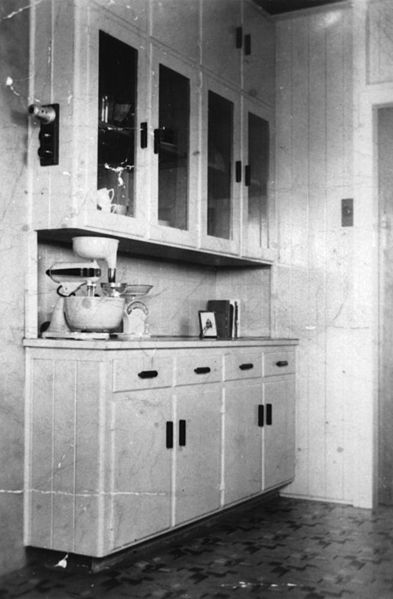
[(347, 212), (49, 139)]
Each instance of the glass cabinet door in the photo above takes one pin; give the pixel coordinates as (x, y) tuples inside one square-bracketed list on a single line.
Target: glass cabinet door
[(221, 155), (220, 162), (257, 178), (171, 143), (117, 94)]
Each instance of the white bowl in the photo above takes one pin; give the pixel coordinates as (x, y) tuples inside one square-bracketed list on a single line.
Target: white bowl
[(98, 314)]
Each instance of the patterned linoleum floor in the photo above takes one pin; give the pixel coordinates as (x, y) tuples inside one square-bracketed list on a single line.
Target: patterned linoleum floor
[(286, 548)]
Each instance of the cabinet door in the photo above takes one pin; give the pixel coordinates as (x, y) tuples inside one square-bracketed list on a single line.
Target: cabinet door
[(140, 465), (198, 453), (257, 193), (221, 20), (243, 441), (114, 128), (175, 156), (279, 431), (258, 54), (175, 23), (221, 153)]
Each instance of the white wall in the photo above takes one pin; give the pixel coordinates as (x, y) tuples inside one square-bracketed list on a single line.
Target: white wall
[(14, 63), (314, 291)]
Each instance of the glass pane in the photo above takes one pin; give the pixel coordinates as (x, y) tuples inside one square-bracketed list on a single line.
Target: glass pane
[(172, 143), (116, 121), (219, 179), (258, 156)]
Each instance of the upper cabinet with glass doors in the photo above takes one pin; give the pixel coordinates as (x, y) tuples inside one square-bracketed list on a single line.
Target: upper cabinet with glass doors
[(165, 122)]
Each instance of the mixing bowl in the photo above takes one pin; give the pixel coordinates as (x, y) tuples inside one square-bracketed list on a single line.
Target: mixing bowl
[(98, 314)]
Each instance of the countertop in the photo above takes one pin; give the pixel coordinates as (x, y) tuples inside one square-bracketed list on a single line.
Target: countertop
[(156, 342)]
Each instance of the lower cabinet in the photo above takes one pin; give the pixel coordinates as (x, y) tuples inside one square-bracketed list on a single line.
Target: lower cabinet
[(123, 445), (242, 441)]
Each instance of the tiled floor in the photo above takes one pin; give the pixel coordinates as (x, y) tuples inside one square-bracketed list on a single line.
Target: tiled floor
[(286, 548)]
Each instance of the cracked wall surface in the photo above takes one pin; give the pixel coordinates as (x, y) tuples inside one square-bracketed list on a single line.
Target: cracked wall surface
[(14, 81)]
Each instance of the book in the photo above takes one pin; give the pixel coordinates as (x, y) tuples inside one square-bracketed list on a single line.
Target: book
[(227, 317)]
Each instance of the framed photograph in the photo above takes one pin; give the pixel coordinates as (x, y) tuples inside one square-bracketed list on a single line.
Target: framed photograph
[(207, 323)]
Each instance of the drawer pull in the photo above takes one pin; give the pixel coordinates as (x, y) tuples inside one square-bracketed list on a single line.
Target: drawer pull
[(148, 374), (202, 370), (282, 363), (260, 415), (269, 414), (182, 433), (247, 366), (169, 435)]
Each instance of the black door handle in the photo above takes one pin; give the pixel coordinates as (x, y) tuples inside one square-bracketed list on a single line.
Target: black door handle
[(157, 141), (169, 435), (148, 374), (247, 366), (282, 363), (143, 135), (269, 414), (260, 415), (202, 370), (182, 433)]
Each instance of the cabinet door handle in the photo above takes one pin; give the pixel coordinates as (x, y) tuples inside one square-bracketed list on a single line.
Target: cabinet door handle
[(169, 435), (202, 370), (239, 37), (182, 433), (157, 140), (269, 414), (238, 171), (148, 374), (260, 415), (246, 366), (247, 175), (143, 135), (282, 363), (247, 44)]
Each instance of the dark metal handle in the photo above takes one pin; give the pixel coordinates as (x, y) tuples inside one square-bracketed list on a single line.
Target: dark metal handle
[(247, 44), (238, 171), (282, 363), (247, 366), (148, 374), (247, 175), (260, 415), (157, 141), (202, 370), (182, 433), (143, 135), (239, 37), (169, 435), (269, 414)]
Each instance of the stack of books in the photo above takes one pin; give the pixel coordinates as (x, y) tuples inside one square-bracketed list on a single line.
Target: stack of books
[(227, 314)]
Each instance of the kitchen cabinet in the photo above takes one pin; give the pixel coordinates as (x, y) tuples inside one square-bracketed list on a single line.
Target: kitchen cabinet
[(198, 451), (126, 440), (221, 29), (259, 431), (175, 157), (258, 80), (141, 115), (140, 465), (175, 24), (222, 150), (258, 216)]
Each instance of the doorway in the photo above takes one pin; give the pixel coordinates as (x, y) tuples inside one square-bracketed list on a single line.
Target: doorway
[(385, 192)]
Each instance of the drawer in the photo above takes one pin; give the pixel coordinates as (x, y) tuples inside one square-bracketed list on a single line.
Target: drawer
[(142, 372), (242, 365), (198, 367), (280, 362)]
